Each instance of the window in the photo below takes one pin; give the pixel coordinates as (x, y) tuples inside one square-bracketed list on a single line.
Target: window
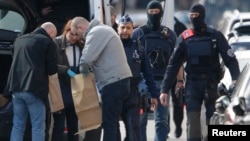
[(12, 21)]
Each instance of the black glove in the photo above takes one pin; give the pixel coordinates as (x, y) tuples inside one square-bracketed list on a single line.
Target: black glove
[(181, 96), (231, 89), (222, 89)]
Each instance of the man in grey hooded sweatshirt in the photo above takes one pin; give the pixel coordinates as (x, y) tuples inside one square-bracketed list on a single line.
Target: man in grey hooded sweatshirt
[(104, 53)]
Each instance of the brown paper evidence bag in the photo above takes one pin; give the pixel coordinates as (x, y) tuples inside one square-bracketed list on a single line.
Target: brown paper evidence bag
[(86, 101), (55, 95)]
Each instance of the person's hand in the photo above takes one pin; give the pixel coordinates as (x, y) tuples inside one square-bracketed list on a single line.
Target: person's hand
[(71, 73), (154, 103), (164, 99), (179, 85), (85, 73)]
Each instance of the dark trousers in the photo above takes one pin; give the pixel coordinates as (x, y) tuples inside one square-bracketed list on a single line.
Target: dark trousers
[(70, 116), (130, 116), (177, 109), (113, 96), (196, 92), (93, 135)]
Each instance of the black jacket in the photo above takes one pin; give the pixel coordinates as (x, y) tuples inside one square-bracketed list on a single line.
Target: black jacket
[(62, 60), (181, 54), (63, 66), (33, 60)]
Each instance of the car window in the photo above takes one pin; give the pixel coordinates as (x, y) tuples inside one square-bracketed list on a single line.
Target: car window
[(240, 46), (243, 82), (12, 21)]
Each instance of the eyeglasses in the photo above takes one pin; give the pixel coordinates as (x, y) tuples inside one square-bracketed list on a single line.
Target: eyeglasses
[(194, 14)]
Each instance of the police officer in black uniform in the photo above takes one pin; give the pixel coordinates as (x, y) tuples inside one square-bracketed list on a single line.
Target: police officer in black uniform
[(140, 67), (200, 47), (159, 42)]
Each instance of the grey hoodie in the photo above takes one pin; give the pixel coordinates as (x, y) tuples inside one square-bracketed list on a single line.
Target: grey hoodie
[(104, 53)]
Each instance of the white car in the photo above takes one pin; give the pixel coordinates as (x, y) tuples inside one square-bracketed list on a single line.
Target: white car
[(237, 111), (233, 20), (243, 56)]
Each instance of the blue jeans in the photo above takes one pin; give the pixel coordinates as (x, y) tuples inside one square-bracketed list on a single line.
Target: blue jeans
[(113, 96), (161, 117), (26, 104)]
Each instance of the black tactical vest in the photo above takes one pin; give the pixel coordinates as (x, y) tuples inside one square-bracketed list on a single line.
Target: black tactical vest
[(202, 54), (158, 48)]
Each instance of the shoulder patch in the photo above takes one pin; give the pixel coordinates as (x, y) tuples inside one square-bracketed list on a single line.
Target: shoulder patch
[(230, 53), (187, 33), (164, 32)]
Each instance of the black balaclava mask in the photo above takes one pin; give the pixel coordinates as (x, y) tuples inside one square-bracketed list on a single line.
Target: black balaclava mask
[(198, 22), (154, 20)]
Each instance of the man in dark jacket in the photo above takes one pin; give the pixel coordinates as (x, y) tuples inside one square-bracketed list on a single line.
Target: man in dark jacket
[(159, 42), (139, 64), (200, 48), (34, 60)]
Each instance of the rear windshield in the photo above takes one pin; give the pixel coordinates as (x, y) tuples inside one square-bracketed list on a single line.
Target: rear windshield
[(12, 21)]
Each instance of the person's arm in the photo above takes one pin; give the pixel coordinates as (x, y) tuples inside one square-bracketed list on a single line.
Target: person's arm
[(147, 74), (51, 58), (62, 69), (96, 41), (180, 79), (180, 75), (176, 60), (228, 56)]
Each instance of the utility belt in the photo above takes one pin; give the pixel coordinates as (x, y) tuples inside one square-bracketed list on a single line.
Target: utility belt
[(158, 77), (201, 77), (197, 77)]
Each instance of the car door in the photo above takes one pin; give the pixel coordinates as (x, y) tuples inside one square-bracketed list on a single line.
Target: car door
[(13, 23)]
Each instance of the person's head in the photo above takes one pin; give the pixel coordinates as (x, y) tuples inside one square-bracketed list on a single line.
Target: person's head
[(50, 28), (154, 14), (79, 26), (197, 16), (113, 15), (69, 34), (125, 27)]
